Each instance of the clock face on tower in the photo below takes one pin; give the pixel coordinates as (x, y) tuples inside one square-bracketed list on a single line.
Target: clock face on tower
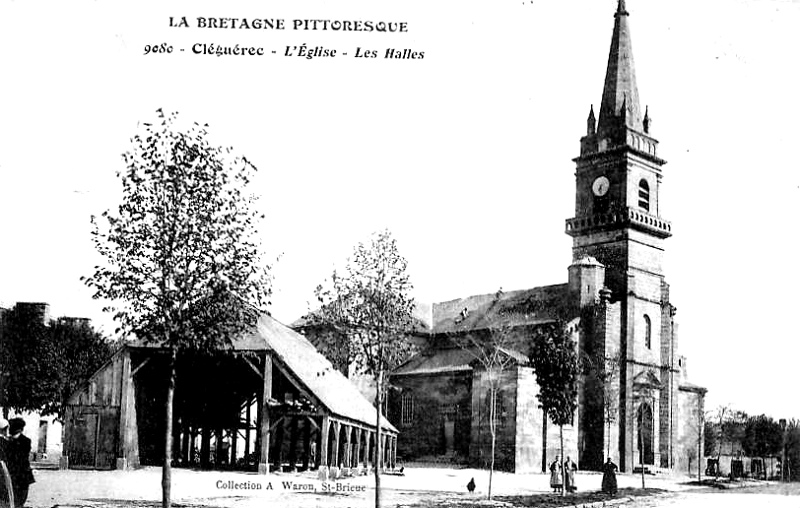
[(600, 186)]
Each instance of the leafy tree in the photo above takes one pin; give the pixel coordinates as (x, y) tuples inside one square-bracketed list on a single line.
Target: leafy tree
[(370, 305), (724, 427), (733, 427), (763, 437), (80, 351), (45, 363), (491, 351), (31, 378), (183, 267), (555, 362)]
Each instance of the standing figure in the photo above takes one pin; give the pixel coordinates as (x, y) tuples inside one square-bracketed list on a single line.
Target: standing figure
[(18, 449), (569, 475), (610, 477), (6, 489), (555, 475)]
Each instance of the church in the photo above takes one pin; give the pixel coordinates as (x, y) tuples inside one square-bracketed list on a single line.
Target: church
[(635, 405)]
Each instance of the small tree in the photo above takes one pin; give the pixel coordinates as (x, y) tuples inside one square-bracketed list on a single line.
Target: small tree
[(183, 265), (610, 380), (492, 351), (555, 362), (714, 432), (370, 304)]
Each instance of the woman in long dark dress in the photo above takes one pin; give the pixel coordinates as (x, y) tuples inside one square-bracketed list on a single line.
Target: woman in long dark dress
[(610, 477)]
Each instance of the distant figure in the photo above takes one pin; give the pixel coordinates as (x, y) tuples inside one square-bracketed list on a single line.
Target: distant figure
[(610, 477), (471, 485), (569, 475), (555, 475), (18, 449)]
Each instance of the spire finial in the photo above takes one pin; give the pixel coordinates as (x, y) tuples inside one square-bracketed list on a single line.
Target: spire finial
[(646, 121), (590, 122), (621, 11)]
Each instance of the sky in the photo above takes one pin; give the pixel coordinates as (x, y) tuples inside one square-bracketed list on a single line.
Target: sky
[(464, 155)]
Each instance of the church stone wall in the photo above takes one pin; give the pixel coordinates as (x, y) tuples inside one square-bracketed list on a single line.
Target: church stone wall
[(645, 252), (690, 426), (506, 429), (436, 399), (528, 424)]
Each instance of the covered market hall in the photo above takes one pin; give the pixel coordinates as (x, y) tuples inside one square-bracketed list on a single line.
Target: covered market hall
[(271, 402)]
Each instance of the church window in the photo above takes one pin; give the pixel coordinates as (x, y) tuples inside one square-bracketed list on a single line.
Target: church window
[(407, 403), (644, 195), (647, 331)]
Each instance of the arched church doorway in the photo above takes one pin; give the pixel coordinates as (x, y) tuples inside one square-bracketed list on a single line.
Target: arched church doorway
[(644, 420)]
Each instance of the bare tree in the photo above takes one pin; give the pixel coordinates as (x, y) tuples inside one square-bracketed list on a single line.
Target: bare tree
[(721, 414), (491, 346)]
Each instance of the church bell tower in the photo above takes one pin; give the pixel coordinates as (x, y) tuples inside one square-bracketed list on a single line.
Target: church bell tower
[(618, 222)]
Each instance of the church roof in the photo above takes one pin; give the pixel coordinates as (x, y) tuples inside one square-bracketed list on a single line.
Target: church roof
[(620, 94), (333, 391), (513, 308), (690, 387), (453, 359), (436, 361)]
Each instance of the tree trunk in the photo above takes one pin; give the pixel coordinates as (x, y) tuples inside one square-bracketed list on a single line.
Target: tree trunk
[(699, 453), (493, 433), (166, 471), (561, 460), (544, 439), (641, 449), (378, 447)]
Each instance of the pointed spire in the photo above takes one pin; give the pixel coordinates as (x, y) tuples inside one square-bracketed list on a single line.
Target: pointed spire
[(620, 84), (590, 122), (647, 120)]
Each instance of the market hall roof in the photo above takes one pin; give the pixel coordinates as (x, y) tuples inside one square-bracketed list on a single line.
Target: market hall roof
[(334, 392)]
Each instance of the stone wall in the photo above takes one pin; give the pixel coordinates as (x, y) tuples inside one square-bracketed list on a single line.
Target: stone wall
[(689, 445), (506, 420), (437, 399)]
